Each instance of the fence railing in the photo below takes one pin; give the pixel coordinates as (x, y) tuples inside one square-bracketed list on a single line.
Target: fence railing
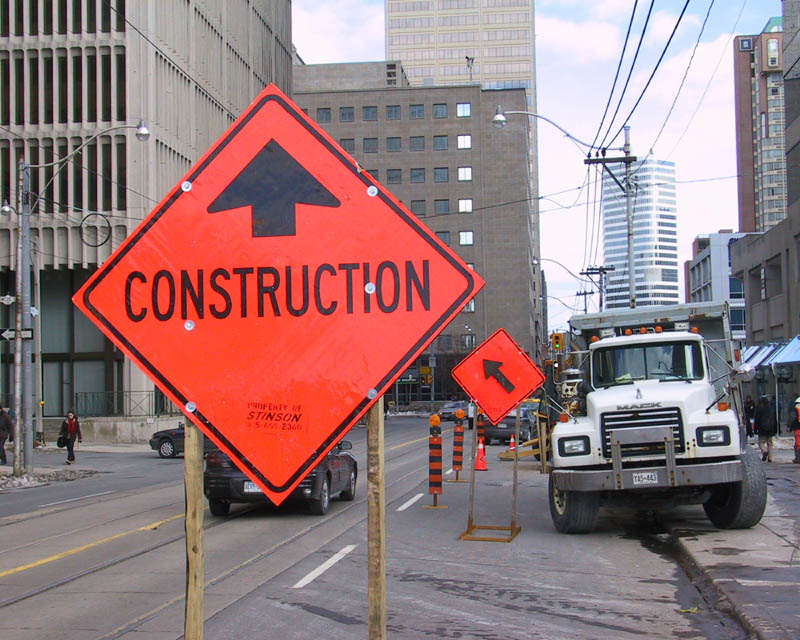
[(124, 404)]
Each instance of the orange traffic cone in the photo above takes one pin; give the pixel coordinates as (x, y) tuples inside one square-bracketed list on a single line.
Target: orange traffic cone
[(511, 444), (480, 457)]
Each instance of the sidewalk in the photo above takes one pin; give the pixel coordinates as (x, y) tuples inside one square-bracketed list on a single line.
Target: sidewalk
[(758, 569)]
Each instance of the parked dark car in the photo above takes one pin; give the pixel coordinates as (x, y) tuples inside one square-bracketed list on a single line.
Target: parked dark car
[(448, 410), (335, 475), (503, 429), (169, 442)]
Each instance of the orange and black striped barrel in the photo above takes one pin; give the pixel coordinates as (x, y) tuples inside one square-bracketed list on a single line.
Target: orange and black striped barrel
[(480, 423), (435, 465), (458, 447)]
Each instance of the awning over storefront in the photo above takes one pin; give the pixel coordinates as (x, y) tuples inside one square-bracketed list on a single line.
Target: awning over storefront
[(788, 354), (758, 354)]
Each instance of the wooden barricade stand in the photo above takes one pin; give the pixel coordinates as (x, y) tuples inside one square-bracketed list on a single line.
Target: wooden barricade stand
[(513, 529)]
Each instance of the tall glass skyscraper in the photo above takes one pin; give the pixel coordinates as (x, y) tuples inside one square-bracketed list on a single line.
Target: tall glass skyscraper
[(655, 235)]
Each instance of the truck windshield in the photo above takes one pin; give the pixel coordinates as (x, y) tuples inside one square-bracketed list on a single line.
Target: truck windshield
[(665, 361)]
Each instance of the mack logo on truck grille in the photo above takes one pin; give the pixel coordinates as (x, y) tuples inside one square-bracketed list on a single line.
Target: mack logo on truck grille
[(641, 405), (642, 419)]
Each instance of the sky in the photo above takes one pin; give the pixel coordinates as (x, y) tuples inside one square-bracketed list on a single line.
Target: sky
[(578, 47)]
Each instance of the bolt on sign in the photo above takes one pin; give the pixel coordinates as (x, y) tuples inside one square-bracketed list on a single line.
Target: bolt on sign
[(498, 375), (276, 292)]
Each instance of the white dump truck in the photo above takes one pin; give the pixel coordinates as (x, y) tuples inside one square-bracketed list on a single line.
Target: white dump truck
[(650, 416)]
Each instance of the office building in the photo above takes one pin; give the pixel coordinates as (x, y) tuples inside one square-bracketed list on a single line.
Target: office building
[(708, 276), (760, 146), (489, 42), (436, 150), (78, 72), (655, 235)]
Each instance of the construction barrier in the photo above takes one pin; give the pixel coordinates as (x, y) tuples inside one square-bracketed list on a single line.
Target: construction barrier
[(435, 461), (458, 446), (480, 458)]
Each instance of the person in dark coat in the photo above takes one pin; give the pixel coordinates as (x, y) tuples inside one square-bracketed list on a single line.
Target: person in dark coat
[(6, 427), (749, 414), (71, 430), (766, 426)]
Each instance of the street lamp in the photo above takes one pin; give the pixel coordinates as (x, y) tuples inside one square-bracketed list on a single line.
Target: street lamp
[(499, 120), (23, 375)]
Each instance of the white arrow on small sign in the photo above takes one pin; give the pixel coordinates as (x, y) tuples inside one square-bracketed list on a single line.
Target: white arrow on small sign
[(10, 334)]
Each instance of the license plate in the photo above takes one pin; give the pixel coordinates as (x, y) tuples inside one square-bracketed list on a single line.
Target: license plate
[(645, 477), (251, 487)]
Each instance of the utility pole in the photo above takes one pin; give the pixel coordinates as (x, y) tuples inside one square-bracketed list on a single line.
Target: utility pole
[(598, 271), (584, 294), (627, 189)]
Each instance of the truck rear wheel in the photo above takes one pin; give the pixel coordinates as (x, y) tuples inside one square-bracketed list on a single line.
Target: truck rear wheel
[(740, 505), (573, 511)]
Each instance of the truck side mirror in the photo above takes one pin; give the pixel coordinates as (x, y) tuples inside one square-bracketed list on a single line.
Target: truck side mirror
[(584, 388)]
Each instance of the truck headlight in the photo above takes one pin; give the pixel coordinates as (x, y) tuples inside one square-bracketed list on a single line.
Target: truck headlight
[(578, 446), (713, 436)]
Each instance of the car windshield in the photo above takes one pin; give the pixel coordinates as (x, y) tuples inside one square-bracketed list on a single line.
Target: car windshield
[(665, 361)]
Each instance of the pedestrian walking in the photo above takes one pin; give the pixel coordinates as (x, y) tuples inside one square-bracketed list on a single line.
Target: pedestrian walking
[(6, 432), (749, 414), (471, 415), (71, 430), (766, 426), (794, 425)]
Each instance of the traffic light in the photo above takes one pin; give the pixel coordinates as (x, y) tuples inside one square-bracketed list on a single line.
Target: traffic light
[(557, 340)]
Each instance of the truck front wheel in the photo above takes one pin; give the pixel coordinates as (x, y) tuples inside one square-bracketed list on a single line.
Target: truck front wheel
[(573, 511), (740, 505)]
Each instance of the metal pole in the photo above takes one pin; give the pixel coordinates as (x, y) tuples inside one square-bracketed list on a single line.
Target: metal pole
[(37, 341), (629, 203), (27, 320), (18, 335)]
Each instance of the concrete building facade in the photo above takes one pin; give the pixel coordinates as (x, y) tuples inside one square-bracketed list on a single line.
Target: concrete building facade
[(759, 109), (709, 276), (489, 42), (75, 72), (436, 150), (655, 235)]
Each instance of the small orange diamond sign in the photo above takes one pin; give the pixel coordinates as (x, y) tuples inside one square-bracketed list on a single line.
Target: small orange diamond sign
[(498, 375), (276, 292)]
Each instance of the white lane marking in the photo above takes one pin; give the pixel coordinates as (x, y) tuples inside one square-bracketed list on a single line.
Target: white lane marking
[(408, 503), (448, 472), (324, 566), (93, 495)]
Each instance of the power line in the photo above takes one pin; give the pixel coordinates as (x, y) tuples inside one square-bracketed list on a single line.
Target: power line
[(630, 73), (652, 75), (616, 75)]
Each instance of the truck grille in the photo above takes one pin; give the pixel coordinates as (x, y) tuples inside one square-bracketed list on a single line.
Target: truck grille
[(668, 417)]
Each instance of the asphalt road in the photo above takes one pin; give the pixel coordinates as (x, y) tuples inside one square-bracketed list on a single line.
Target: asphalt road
[(112, 565)]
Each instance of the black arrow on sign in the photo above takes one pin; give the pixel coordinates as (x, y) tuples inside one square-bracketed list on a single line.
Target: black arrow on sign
[(491, 369), (272, 184)]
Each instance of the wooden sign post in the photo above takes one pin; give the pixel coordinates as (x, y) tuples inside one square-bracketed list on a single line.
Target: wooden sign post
[(193, 479), (376, 523)]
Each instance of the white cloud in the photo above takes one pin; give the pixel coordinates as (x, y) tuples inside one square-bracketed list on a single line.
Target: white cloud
[(341, 31), (577, 42)]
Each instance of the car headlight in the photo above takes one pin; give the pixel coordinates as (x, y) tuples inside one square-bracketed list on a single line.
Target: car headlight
[(713, 436), (578, 446)]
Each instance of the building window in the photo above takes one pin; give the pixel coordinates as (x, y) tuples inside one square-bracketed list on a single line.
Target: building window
[(393, 112), (394, 176), (441, 207), (418, 208), (441, 174), (418, 175), (347, 114), (466, 238), (444, 236), (373, 173), (464, 109), (737, 320), (440, 143), (736, 288), (465, 205), (370, 145), (417, 143), (416, 111), (370, 114), (469, 340), (440, 111), (348, 144), (465, 141), (469, 307), (393, 144), (465, 174), (323, 115)]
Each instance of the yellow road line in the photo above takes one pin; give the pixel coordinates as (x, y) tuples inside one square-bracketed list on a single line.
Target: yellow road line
[(70, 552), (405, 444)]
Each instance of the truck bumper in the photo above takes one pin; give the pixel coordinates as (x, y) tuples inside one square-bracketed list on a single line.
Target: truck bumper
[(690, 475)]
